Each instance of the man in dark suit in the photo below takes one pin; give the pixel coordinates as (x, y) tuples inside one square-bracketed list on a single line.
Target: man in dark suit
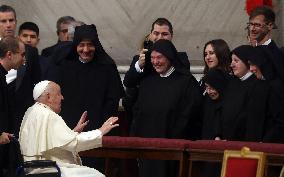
[(11, 57), (21, 88), (20, 82), (62, 33), (29, 35), (260, 26)]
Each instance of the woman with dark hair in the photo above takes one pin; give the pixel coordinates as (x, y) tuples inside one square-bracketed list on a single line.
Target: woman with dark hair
[(216, 54), (221, 50)]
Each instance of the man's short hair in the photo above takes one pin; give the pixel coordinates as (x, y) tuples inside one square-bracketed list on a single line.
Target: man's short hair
[(161, 22), (64, 20), (29, 26), (71, 29), (9, 43), (266, 11), (6, 8)]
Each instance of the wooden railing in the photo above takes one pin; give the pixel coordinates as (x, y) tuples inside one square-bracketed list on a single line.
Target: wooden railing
[(188, 153)]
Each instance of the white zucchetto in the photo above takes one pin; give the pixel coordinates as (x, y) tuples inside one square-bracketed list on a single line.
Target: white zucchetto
[(40, 88)]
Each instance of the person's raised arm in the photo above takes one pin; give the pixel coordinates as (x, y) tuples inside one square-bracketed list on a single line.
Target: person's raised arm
[(141, 60), (82, 123), (91, 139)]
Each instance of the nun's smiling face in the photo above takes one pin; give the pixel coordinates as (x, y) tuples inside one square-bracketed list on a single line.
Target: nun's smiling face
[(160, 63), (238, 66), (86, 50)]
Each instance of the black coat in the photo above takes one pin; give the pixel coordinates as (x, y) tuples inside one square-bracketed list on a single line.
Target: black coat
[(212, 111), (10, 155), (47, 52), (94, 87), (45, 65), (275, 112), (21, 89), (167, 107), (132, 80), (276, 56), (5, 116), (212, 108), (241, 119), (252, 111)]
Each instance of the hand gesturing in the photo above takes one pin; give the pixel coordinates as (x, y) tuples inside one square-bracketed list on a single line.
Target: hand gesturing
[(82, 123)]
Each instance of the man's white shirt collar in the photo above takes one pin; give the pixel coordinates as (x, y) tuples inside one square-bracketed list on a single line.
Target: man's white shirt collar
[(11, 76), (265, 43)]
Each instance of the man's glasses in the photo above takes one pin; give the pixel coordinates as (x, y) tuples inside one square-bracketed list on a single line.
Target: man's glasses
[(255, 25)]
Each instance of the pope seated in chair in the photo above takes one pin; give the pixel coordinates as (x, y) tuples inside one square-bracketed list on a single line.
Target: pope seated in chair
[(45, 136)]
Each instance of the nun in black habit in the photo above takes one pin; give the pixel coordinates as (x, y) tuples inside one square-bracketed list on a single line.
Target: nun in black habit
[(88, 77), (242, 119), (89, 81), (168, 105), (216, 82), (262, 67)]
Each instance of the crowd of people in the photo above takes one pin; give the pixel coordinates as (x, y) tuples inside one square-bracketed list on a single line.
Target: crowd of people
[(239, 97)]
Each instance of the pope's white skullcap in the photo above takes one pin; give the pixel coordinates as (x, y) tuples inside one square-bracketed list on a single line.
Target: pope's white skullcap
[(40, 88)]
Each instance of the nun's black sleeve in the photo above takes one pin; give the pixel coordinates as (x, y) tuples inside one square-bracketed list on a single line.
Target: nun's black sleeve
[(132, 78)]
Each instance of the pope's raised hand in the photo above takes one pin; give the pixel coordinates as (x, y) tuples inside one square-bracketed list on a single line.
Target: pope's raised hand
[(82, 123)]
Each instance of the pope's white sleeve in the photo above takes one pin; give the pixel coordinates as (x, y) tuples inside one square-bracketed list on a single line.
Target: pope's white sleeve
[(85, 141)]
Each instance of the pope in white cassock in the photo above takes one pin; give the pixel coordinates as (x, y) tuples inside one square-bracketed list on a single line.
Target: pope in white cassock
[(45, 136)]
